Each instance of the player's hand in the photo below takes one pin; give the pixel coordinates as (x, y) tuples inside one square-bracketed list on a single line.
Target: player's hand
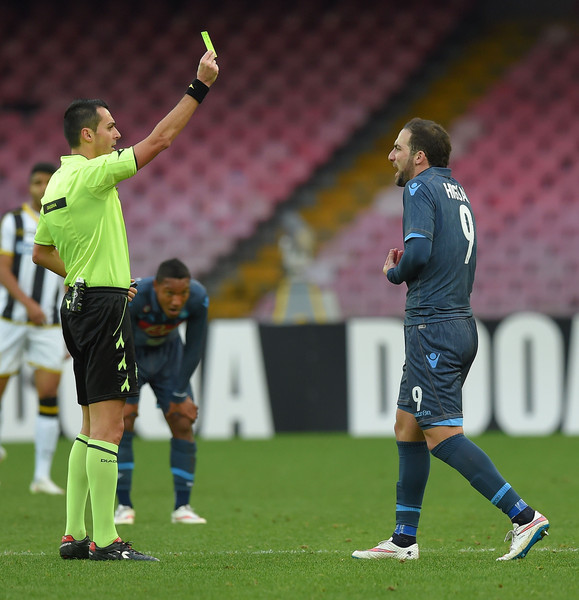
[(35, 313), (208, 68), (132, 290), (392, 260), (187, 409)]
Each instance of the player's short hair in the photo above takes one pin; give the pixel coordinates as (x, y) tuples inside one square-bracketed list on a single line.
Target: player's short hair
[(43, 167), (172, 269), (81, 113), (432, 139)]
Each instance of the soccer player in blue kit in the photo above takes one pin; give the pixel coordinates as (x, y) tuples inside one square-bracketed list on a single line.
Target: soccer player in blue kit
[(438, 265), (167, 365)]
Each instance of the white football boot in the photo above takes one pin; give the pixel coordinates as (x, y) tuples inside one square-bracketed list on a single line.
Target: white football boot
[(45, 486), (124, 515), (524, 537), (388, 549), (185, 514)]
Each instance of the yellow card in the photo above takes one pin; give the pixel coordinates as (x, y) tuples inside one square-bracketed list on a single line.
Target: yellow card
[(207, 41)]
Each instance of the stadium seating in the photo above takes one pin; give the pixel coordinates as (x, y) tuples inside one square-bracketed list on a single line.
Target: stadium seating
[(517, 158), (283, 105)]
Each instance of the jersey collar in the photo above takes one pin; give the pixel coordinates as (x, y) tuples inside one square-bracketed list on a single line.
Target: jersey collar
[(30, 211)]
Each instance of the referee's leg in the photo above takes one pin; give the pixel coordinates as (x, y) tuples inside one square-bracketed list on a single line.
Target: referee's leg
[(106, 430)]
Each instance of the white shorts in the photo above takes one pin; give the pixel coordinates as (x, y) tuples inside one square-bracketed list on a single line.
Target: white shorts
[(41, 347)]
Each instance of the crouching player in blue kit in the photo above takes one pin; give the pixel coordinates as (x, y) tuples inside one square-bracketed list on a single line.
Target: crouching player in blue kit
[(167, 365), (438, 266)]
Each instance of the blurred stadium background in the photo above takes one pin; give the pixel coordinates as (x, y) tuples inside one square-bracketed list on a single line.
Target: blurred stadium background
[(284, 171)]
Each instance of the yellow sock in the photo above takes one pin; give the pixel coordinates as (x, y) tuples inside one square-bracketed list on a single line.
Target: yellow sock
[(102, 471), (77, 489)]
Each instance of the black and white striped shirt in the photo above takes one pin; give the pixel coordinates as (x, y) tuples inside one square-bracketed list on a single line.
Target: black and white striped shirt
[(17, 231)]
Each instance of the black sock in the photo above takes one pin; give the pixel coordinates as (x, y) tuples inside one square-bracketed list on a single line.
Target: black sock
[(524, 517), (403, 540)]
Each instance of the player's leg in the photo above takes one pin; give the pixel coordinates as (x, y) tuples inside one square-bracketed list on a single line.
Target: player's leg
[(47, 431), (45, 353), (3, 383), (151, 362), (12, 347), (413, 471), (529, 526), (413, 467), (180, 413), (125, 513), (180, 418), (446, 440)]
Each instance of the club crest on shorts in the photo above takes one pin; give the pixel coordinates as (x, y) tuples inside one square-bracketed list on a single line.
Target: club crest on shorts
[(432, 359)]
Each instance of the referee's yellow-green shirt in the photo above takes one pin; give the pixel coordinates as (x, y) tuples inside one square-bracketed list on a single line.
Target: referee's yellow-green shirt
[(81, 216)]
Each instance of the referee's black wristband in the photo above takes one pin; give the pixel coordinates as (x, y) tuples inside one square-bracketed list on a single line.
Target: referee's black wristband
[(197, 90)]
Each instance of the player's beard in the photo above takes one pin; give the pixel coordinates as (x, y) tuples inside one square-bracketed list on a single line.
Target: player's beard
[(403, 176)]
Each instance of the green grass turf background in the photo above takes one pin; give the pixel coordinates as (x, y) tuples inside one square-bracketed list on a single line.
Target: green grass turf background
[(284, 516)]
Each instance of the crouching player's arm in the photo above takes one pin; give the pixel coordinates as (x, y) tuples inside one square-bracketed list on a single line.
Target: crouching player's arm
[(183, 404)]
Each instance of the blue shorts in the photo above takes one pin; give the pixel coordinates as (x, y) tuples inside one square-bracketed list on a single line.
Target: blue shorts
[(160, 367), (438, 359)]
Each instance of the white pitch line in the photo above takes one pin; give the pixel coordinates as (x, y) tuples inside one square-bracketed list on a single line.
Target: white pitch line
[(300, 551), (541, 549)]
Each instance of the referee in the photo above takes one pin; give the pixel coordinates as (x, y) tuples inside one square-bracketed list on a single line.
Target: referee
[(81, 236)]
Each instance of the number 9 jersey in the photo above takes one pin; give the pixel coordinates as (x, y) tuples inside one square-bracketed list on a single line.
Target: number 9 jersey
[(437, 208)]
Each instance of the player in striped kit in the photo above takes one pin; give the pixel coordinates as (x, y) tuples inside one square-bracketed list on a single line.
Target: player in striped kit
[(30, 330)]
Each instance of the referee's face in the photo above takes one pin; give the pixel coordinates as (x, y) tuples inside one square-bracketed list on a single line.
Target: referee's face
[(106, 134), (172, 294)]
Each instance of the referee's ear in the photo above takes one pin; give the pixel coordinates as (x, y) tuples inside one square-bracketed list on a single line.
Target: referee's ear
[(86, 135)]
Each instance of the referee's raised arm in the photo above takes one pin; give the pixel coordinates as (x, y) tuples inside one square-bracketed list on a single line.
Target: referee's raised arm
[(170, 126)]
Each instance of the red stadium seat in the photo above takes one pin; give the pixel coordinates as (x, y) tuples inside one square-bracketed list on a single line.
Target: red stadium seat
[(283, 105)]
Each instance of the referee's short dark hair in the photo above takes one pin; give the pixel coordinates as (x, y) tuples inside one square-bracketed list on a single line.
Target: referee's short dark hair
[(43, 167), (81, 113), (172, 269), (432, 139)]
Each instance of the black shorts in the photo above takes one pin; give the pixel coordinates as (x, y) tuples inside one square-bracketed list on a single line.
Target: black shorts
[(100, 341)]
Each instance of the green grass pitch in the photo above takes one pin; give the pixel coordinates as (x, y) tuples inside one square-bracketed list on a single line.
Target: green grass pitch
[(285, 514)]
